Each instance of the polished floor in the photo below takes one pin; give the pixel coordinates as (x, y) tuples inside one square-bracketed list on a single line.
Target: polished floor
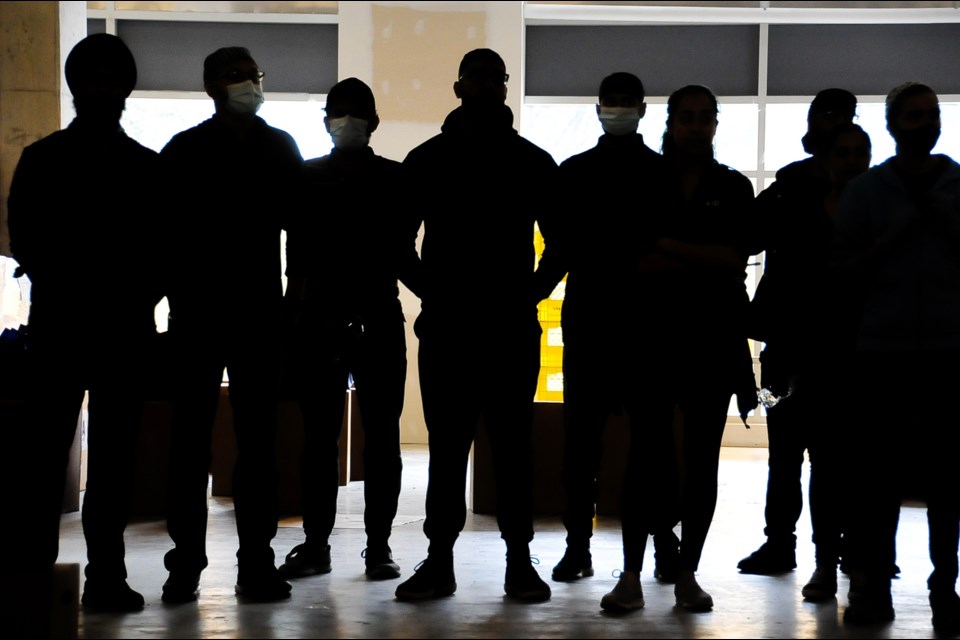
[(344, 604)]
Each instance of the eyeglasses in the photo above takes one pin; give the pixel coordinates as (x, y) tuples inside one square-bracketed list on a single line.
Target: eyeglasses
[(481, 75), (232, 77)]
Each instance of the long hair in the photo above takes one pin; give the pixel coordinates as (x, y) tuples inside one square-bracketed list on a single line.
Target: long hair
[(667, 146)]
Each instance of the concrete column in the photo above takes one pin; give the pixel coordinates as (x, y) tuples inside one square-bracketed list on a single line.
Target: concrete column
[(36, 36)]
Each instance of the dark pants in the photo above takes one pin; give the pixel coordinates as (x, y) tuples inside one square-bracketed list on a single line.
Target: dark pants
[(252, 364), (61, 370), (486, 372), (810, 419), (593, 386), (376, 356), (653, 479), (905, 433)]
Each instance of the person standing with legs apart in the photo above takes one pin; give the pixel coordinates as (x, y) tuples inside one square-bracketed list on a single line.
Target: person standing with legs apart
[(91, 315), (898, 238), (615, 199), (233, 179), (797, 234), (479, 187), (344, 255)]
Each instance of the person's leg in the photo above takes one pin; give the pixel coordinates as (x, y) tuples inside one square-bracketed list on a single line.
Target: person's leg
[(380, 369), (938, 456), (115, 412), (451, 418), (253, 368), (586, 402), (704, 418), (787, 438), (320, 385), (874, 485), (509, 371), (198, 364)]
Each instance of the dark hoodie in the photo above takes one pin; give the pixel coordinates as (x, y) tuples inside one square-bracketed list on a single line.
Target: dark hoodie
[(479, 187)]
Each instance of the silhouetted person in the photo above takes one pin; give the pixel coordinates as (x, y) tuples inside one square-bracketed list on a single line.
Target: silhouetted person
[(806, 319), (694, 350), (614, 198), (898, 237), (345, 252), (232, 179), (91, 316), (479, 187), (798, 233)]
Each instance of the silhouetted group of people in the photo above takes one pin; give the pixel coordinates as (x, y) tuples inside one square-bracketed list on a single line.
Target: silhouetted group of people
[(861, 287)]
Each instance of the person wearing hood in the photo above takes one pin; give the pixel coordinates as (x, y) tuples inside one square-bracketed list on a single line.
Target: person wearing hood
[(478, 188), (91, 316), (614, 201), (797, 233), (345, 253), (232, 183), (898, 238)]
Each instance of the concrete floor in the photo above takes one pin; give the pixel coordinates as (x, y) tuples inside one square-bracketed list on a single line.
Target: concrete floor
[(344, 604)]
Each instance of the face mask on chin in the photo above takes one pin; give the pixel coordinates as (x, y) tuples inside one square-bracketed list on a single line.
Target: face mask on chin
[(244, 98), (349, 132), (619, 121)]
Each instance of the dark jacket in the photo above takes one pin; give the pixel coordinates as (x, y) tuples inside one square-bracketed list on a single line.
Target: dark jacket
[(613, 206), (230, 197), (479, 188), (353, 238), (84, 227)]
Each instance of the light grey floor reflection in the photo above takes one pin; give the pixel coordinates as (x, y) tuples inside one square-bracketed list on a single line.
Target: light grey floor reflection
[(345, 604)]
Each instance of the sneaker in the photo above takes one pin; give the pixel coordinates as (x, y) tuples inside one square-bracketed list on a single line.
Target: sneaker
[(627, 595), (573, 566), (689, 594), (180, 587), (523, 582), (432, 579), (306, 560), (822, 585), (262, 585), (380, 564), (110, 596), (769, 559), (946, 612)]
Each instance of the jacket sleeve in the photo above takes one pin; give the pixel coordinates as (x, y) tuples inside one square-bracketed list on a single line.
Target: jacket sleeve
[(551, 219)]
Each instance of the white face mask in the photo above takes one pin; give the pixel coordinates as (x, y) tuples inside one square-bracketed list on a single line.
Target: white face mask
[(619, 121), (349, 132), (244, 98)]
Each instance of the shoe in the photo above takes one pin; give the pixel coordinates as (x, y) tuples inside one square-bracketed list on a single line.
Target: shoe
[(627, 595), (262, 585), (523, 582), (689, 594), (113, 596), (769, 559), (946, 612), (380, 564), (573, 566), (822, 585), (869, 609), (306, 560), (181, 587), (432, 579)]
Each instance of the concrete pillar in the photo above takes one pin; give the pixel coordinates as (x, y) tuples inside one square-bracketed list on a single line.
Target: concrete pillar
[(36, 36)]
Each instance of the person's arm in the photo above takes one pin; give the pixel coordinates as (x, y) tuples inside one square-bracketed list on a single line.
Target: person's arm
[(553, 219), (23, 220), (411, 272)]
